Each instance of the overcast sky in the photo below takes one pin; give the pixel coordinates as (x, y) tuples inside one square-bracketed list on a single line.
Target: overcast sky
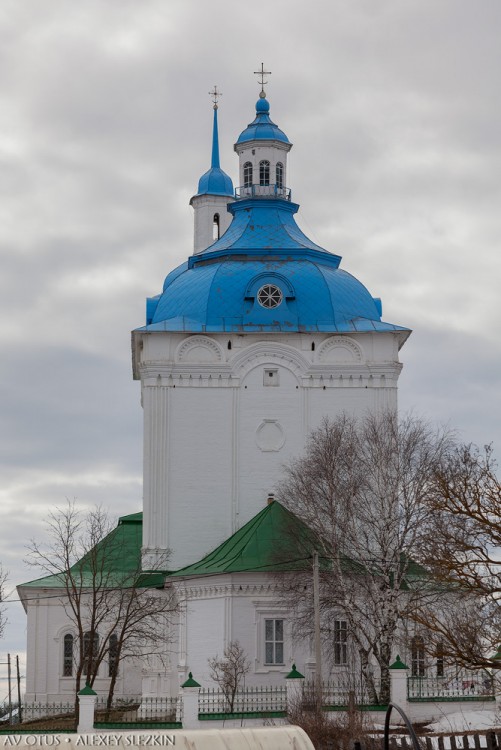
[(393, 107)]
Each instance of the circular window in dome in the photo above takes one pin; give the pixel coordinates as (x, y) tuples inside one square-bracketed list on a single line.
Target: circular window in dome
[(269, 296)]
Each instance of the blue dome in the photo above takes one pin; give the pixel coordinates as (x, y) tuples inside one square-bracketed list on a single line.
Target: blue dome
[(264, 274), (262, 128), (215, 182)]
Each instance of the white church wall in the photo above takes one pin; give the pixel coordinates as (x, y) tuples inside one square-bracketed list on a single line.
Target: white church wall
[(270, 429), (206, 631), (48, 623), (220, 423), (201, 477), (224, 608)]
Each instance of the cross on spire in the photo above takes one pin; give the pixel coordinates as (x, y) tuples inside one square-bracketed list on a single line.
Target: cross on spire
[(215, 95), (262, 73)]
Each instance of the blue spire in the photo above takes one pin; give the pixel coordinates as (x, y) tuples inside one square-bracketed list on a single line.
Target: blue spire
[(215, 181), (215, 142)]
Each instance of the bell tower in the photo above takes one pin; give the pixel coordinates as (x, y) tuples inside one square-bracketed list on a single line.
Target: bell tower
[(215, 191), (262, 149)]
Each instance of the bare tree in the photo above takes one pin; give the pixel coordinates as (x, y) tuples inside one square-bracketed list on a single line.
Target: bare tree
[(460, 546), (115, 609), (229, 671), (360, 487)]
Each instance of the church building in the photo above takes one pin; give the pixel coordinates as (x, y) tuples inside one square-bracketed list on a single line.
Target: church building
[(252, 341)]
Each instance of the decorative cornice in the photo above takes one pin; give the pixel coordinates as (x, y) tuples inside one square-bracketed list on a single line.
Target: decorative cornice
[(341, 344), (199, 342), (155, 373), (216, 591), (267, 351)]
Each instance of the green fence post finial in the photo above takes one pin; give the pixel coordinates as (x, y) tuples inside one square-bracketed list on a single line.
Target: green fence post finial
[(190, 682), (294, 674)]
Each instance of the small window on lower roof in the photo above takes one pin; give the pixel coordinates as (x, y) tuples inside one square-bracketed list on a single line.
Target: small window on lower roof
[(269, 296)]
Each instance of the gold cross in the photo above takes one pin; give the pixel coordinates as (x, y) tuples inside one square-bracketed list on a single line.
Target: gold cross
[(262, 73), (215, 95)]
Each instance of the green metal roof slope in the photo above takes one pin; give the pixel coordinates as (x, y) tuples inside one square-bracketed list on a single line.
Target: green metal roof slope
[(116, 559), (275, 540)]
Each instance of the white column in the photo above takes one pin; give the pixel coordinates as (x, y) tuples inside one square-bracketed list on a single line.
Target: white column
[(155, 469), (398, 688), (87, 705), (294, 683), (189, 692)]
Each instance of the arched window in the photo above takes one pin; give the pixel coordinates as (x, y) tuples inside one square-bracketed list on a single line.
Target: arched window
[(280, 175), (264, 172), (247, 174), (113, 655), (68, 644), (417, 656), (90, 649), (215, 227), (440, 659)]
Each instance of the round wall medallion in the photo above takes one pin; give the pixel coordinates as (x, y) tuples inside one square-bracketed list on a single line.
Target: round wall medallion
[(269, 296)]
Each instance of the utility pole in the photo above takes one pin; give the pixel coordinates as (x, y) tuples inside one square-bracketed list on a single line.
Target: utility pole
[(318, 646), (19, 710), (10, 689)]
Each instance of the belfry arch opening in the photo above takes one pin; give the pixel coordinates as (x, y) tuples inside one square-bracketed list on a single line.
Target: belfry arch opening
[(216, 227)]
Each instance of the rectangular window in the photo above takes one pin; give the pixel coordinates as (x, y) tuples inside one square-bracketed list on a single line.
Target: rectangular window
[(340, 642), (274, 641), (270, 377)]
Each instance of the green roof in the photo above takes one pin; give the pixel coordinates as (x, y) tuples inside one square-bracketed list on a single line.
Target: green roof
[(274, 540), (117, 558)]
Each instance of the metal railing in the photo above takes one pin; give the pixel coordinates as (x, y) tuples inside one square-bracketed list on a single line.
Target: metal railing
[(53, 715), (344, 693), (251, 700), (460, 686), (140, 709), (262, 191)]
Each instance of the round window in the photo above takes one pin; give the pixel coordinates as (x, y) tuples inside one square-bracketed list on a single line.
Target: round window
[(269, 296)]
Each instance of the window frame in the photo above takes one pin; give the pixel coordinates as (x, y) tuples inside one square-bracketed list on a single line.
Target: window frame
[(90, 646), (247, 174), (266, 610), (440, 660), (273, 639), (418, 664), (340, 643), (113, 654), (68, 658), (270, 296), (279, 175), (216, 227), (264, 173)]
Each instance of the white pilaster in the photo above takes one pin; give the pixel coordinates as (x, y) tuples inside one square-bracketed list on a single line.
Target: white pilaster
[(156, 479)]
